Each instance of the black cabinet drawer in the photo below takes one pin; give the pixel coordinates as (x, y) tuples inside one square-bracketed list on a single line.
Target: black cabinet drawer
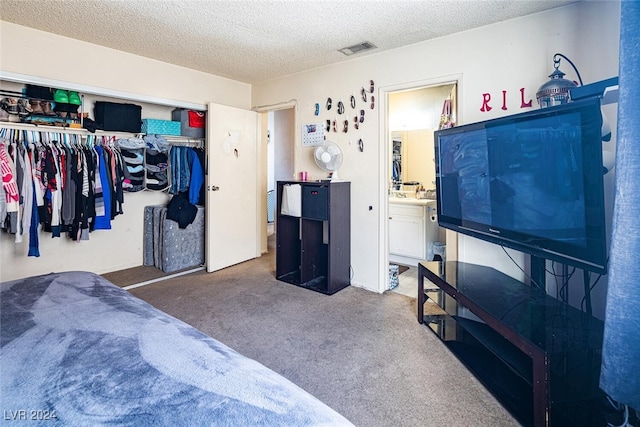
[(315, 202)]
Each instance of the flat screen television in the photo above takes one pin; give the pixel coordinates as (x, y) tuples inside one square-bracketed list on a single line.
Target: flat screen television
[(532, 182)]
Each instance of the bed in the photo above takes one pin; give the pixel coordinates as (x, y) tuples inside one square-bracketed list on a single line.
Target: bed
[(76, 349)]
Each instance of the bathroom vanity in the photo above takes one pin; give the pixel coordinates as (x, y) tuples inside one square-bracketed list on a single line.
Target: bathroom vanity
[(413, 228)]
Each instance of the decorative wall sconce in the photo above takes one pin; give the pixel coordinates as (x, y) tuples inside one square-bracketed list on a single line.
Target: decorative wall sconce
[(556, 90)]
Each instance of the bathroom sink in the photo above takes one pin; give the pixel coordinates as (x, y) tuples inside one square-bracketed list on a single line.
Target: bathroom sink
[(410, 201)]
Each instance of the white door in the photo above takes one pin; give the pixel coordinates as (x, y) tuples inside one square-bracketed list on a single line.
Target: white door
[(231, 185)]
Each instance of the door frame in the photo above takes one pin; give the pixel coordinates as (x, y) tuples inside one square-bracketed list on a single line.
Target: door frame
[(383, 167), (263, 110)]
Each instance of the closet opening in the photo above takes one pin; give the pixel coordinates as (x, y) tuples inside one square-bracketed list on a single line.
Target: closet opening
[(113, 242)]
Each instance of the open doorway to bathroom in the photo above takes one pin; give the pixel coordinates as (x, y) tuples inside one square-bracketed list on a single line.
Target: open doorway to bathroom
[(414, 114)]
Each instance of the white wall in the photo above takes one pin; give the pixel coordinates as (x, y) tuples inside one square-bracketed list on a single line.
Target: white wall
[(283, 140), (271, 180), (43, 55), (37, 53), (417, 109), (507, 56)]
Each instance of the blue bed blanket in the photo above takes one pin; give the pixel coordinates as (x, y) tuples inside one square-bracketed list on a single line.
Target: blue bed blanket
[(77, 350)]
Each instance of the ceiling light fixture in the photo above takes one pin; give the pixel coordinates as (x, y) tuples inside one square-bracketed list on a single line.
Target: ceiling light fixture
[(357, 48)]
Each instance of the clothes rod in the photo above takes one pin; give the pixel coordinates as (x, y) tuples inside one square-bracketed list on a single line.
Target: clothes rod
[(66, 130), (28, 127), (183, 140)]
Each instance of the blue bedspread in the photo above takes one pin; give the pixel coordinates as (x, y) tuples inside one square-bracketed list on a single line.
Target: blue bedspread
[(78, 350)]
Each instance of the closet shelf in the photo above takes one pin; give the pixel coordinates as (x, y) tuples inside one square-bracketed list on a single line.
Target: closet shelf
[(13, 94)]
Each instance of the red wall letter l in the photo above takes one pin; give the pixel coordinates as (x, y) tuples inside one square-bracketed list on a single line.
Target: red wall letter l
[(522, 103)]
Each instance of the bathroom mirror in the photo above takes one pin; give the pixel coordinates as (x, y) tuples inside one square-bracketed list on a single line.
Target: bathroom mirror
[(412, 158), (414, 115)]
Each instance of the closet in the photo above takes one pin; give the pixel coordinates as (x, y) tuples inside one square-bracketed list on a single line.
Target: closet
[(233, 201), (113, 244), (69, 185)]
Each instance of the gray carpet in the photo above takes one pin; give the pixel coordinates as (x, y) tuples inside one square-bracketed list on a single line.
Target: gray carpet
[(362, 353)]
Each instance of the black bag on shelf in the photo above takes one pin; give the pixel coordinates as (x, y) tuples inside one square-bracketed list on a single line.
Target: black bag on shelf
[(113, 116), (39, 92)]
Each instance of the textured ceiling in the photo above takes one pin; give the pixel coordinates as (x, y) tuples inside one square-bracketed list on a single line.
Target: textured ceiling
[(257, 40)]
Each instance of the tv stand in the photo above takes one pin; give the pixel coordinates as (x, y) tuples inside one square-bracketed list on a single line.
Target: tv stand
[(539, 356)]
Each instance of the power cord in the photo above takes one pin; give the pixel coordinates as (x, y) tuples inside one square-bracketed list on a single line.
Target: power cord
[(521, 269), (622, 408), (590, 288), (561, 291)]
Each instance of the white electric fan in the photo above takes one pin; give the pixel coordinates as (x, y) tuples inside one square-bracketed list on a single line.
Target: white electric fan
[(328, 157)]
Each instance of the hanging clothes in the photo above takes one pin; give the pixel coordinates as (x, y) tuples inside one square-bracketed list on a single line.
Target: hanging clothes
[(48, 178), (180, 169), (88, 195), (187, 173), (116, 182), (26, 191), (103, 192), (10, 187), (132, 150), (34, 240), (197, 177), (56, 193), (156, 163), (69, 191), (59, 184), (69, 185), (201, 158), (3, 205)]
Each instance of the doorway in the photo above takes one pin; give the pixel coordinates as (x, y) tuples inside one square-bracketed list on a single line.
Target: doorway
[(413, 115), (280, 153)]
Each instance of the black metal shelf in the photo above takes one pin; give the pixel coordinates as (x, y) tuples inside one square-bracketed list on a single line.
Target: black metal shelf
[(539, 356)]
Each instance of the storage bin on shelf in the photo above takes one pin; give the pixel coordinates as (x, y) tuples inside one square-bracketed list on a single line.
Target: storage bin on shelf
[(160, 127), (192, 123), (114, 116)]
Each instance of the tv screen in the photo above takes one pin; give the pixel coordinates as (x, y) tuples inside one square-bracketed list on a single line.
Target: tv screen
[(532, 182)]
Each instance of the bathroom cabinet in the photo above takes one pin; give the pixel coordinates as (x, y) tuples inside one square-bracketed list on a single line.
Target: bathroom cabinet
[(411, 229)]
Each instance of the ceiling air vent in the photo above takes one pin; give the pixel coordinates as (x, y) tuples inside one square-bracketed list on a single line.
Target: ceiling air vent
[(357, 48)]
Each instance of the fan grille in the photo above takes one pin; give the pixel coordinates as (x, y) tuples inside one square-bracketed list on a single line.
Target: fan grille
[(328, 157)]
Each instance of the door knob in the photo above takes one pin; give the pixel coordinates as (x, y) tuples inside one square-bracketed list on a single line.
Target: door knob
[(214, 188)]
